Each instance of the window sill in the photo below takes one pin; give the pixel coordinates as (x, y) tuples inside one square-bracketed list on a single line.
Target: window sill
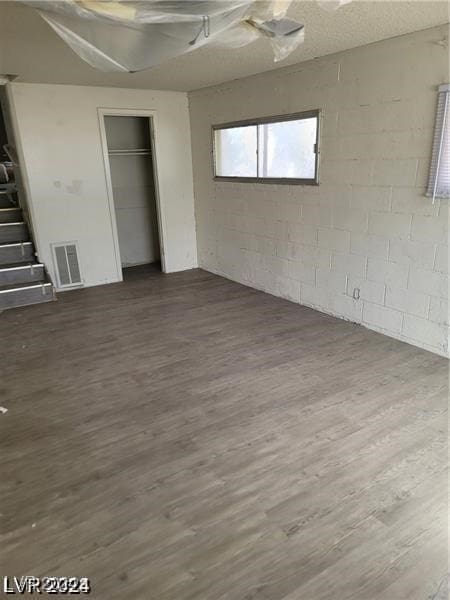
[(269, 180)]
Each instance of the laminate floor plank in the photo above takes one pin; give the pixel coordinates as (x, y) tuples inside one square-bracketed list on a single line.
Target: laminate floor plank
[(183, 437)]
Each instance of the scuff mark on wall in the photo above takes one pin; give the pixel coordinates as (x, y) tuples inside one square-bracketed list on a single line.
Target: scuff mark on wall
[(75, 187)]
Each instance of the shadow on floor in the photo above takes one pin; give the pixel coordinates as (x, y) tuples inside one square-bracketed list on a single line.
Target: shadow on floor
[(132, 273)]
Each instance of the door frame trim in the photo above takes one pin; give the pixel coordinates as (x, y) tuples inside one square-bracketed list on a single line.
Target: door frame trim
[(152, 116)]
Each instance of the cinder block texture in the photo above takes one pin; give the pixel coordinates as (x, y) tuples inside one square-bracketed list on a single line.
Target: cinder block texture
[(366, 244)]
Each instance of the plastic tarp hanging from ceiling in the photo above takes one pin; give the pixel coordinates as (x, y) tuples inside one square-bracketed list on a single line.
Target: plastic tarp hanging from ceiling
[(128, 35), (332, 4)]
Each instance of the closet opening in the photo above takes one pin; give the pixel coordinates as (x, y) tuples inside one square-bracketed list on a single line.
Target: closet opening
[(133, 186)]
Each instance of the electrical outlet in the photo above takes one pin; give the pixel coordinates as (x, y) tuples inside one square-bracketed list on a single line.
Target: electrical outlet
[(356, 293)]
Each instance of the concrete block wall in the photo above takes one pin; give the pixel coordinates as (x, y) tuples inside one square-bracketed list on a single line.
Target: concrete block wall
[(367, 230)]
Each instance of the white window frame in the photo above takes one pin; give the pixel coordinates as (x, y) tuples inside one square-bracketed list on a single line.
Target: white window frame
[(437, 155), (261, 121)]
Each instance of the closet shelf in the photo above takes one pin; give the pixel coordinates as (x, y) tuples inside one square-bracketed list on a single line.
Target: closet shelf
[(131, 151)]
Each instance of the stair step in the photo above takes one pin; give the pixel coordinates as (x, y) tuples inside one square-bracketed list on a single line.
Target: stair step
[(21, 273), (7, 199), (10, 215), (13, 232), (23, 263), (12, 296), (16, 253)]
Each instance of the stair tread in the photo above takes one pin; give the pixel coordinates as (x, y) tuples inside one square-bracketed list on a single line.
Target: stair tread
[(26, 263), (14, 286), (14, 243)]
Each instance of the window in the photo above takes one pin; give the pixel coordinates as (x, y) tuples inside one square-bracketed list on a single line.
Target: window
[(439, 179), (268, 150)]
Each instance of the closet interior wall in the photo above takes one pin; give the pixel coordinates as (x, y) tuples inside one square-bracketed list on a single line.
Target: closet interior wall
[(130, 159)]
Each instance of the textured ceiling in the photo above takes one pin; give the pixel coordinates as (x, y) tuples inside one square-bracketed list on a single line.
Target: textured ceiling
[(30, 49)]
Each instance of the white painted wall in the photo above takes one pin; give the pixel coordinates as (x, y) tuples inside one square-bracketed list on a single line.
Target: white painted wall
[(367, 224), (58, 134)]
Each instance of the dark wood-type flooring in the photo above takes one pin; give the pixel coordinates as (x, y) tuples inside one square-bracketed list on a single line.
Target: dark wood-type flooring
[(183, 437)]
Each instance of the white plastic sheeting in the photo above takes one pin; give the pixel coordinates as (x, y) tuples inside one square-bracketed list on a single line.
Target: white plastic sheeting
[(332, 4), (128, 35)]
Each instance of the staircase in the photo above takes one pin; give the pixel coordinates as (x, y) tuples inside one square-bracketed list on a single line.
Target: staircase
[(23, 280)]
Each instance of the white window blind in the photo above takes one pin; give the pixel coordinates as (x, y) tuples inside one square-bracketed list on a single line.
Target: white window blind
[(439, 179)]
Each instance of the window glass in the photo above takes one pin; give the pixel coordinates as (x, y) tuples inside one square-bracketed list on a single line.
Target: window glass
[(286, 149), (235, 151), (278, 149)]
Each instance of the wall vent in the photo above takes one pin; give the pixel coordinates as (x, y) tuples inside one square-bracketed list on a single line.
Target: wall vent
[(67, 266)]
